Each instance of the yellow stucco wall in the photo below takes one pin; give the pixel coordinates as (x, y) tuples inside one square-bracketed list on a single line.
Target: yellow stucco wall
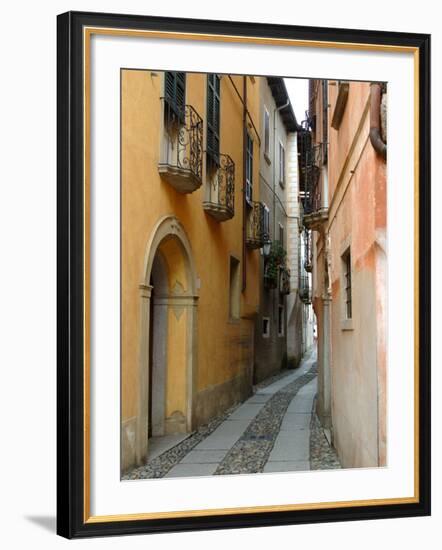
[(224, 347)]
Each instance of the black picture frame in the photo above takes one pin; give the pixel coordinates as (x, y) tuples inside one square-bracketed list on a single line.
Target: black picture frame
[(71, 520)]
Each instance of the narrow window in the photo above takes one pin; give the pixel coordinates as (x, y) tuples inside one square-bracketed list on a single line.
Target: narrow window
[(280, 320), (266, 222), (213, 118), (249, 169), (281, 235), (266, 327), (235, 288), (346, 264), (266, 133), (281, 164), (175, 94)]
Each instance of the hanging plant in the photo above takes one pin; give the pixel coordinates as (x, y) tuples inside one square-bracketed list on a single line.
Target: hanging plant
[(284, 281), (275, 261)]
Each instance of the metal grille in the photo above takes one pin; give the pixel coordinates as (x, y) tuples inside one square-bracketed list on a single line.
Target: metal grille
[(305, 291), (223, 184), (184, 129), (255, 225), (347, 274), (309, 165), (308, 253)]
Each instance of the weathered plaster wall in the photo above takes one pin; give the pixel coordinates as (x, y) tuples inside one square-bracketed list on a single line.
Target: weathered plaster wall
[(224, 348), (357, 219), (271, 351)]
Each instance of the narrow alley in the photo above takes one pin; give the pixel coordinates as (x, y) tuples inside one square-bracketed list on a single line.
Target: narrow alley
[(275, 430), (253, 336)]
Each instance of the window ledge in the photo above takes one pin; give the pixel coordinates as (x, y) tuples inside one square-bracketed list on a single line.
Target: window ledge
[(347, 324)]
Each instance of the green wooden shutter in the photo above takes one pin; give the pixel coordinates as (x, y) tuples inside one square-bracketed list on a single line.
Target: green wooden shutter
[(180, 87), (175, 92), (213, 117), (249, 169)]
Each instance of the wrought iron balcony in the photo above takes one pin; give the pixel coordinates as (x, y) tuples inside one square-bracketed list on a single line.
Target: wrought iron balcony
[(305, 291), (311, 156), (255, 226), (181, 157), (308, 253), (220, 201)]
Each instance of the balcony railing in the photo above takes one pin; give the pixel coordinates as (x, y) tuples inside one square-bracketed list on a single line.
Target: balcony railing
[(220, 202), (181, 158), (308, 253), (311, 157), (305, 291), (255, 226)]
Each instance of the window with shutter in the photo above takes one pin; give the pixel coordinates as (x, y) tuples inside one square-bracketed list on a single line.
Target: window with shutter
[(281, 235), (266, 222), (281, 164), (213, 118), (175, 92), (266, 132), (249, 169)]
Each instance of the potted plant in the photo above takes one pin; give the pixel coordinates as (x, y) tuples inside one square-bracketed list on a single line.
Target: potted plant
[(274, 262)]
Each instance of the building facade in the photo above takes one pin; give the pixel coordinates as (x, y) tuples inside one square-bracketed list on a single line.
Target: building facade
[(278, 124), (190, 258), (343, 184)]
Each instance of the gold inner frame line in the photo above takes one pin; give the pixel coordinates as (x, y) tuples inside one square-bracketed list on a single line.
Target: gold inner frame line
[(87, 33)]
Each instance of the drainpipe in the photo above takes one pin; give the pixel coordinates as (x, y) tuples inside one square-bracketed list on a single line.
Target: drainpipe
[(244, 206), (375, 120), (324, 359)]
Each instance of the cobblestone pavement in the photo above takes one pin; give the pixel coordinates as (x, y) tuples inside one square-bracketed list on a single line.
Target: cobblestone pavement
[(322, 455), (274, 430), (252, 450), (160, 466)]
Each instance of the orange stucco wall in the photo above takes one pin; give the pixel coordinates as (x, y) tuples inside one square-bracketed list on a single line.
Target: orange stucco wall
[(145, 199), (357, 219)]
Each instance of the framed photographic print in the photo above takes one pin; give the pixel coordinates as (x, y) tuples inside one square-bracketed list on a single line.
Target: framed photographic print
[(243, 274)]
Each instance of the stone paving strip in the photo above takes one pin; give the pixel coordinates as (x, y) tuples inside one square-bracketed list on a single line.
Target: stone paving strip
[(212, 447), (160, 465), (284, 373), (291, 450), (252, 450)]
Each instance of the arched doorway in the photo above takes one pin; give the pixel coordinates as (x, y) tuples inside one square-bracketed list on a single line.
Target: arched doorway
[(167, 336), (158, 347)]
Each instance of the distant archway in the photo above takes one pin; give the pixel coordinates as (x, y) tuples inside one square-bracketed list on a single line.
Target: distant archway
[(167, 355)]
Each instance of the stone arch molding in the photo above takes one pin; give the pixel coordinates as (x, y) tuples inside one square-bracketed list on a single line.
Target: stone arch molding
[(179, 299), (167, 227)]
